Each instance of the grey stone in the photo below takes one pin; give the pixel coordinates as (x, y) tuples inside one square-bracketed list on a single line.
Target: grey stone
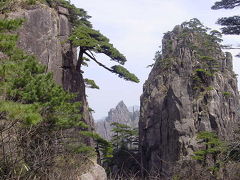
[(120, 114), (45, 35), (39, 36), (173, 110), (229, 62), (64, 26), (96, 172), (62, 10)]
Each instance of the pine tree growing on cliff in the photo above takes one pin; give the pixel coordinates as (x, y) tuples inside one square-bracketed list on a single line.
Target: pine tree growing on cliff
[(213, 147), (34, 112), (90, 41)]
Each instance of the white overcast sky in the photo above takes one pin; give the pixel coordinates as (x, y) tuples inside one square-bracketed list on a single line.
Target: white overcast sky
[(136, 28)]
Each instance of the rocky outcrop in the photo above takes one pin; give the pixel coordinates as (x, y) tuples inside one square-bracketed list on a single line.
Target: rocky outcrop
[(121, 114), (191, 88), (95, 172), (45, 34)]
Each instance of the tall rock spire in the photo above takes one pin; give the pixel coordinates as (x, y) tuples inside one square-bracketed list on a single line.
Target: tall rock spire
[(191, 88)]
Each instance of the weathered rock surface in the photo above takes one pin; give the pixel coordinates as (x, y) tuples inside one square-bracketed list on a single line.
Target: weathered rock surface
[(191, 88), (45, 35), (120, 114), (96, 172)]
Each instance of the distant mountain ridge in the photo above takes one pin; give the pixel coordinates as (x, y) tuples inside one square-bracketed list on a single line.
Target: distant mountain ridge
[(120, 114)]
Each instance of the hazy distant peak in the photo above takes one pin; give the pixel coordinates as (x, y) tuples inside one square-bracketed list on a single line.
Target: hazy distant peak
[(121, 105), (121, 114)]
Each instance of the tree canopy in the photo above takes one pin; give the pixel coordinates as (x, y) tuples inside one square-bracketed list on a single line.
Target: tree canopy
[(226, 4), (34, 110), (195, 25), (231, 25), (124, 136), (90, 41)]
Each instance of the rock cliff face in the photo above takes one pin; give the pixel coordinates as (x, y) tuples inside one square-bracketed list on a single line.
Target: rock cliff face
[(45, 35), (120, 114), (191, 88)]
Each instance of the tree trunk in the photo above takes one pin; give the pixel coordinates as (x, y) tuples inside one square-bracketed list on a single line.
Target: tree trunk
[(80, 59)]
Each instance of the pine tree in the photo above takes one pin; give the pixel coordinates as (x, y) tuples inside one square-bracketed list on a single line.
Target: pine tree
[(213, 147), (124, 137), (125, 149), (89, 40), (195, 25), (34, 110), (231, 24), (226, 4), (104, 148)]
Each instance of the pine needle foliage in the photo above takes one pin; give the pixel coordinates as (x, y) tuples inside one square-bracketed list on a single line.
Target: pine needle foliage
[(34, 109), (91, 84), (212, 144), (123, 136), (25, 81), (124, 73), (27, 114), (226, 4), (102, 145), (125, 150), (231, 25), (78, 16), (90, 41), (209, 155), (195, 25)]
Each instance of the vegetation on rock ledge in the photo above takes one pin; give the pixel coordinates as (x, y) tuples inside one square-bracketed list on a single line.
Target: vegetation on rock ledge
[(34, 110)]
